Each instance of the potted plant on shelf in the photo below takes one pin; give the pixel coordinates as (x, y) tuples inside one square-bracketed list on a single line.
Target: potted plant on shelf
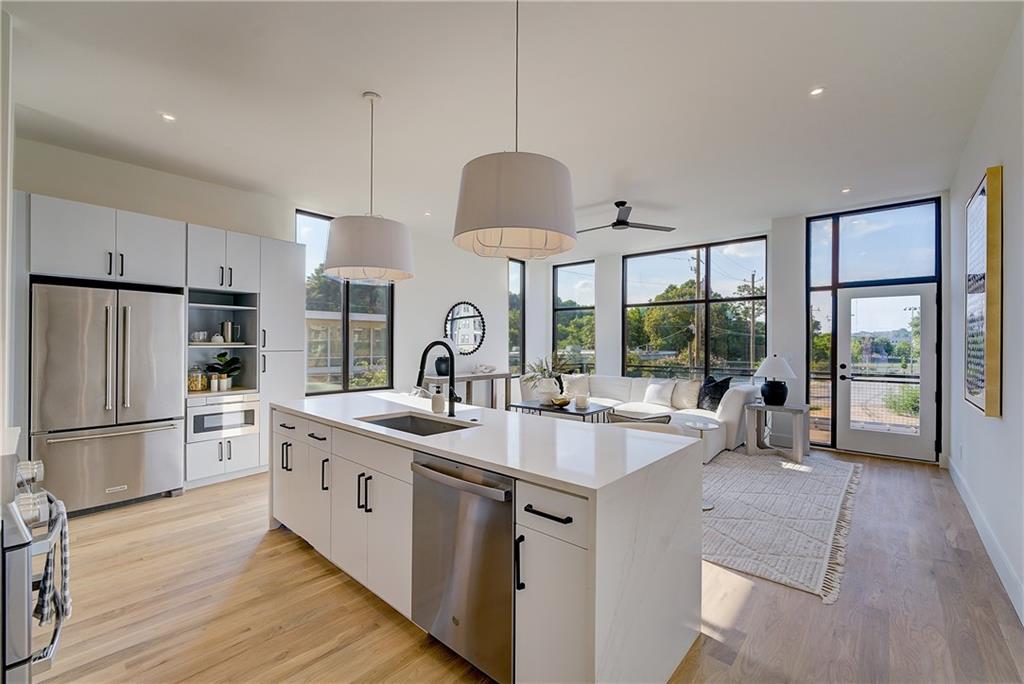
[(225, 367), (542, 375)]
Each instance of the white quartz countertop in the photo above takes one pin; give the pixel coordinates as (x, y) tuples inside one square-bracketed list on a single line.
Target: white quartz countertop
[(564, 454)]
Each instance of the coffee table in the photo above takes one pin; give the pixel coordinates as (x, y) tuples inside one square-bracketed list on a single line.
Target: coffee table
[(594, 413)]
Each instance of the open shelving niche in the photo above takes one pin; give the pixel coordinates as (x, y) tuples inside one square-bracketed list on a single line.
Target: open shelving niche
[(207, 309)]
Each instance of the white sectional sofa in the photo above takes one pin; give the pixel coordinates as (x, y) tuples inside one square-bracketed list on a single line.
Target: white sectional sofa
[(627, 395)]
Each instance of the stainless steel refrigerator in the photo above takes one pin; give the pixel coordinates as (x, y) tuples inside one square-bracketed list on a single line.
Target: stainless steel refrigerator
[(107, 392)]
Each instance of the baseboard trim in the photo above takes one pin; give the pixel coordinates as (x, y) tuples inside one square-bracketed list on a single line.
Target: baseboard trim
[(1011, 581), (192, 484)]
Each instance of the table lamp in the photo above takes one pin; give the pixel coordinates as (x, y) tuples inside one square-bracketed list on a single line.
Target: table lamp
[(775, 371)]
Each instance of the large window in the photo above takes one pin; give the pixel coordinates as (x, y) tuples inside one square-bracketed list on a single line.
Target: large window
[(695, 311), (573, 315), (516, 315), (349, 324)]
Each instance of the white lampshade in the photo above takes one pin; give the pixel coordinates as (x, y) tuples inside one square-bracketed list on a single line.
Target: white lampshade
[(368, 248), (515, 204), (775, 367)]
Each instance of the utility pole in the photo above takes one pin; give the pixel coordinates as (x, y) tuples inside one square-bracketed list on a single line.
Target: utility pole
[(753, 323), (698, 319)]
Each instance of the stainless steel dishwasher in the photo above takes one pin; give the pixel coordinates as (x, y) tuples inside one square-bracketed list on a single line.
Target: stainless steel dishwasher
[(462, 561)]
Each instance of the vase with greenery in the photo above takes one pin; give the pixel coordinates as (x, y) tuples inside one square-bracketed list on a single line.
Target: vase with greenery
[(541, 376), (226, 366)]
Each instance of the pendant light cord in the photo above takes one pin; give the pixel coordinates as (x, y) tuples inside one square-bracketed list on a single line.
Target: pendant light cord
[(517, 77), (371, 156)]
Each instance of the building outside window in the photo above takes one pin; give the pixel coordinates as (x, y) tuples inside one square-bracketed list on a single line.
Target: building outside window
[(695, 311), (349, 324), (516, 315), (573, 342)]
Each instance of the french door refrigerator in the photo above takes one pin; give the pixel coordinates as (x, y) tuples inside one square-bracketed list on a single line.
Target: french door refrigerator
[(107, 392)]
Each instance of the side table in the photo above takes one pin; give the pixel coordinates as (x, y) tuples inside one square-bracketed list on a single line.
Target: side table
[(756, 444)]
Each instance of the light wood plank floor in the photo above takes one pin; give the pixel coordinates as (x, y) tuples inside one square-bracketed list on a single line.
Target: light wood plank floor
[(196, 589)]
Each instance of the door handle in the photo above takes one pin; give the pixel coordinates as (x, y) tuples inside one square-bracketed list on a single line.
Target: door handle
[(110, 263), (286, 426), (108, 388), (323, 475), (229, 449), (288, 451), (263, 332), (517, 562), (121, 268), (846, 377), (231, 277), (314, 436), (366, 493), (123, 433), (565, 521), (359, 491), (126, 385), (220, 451), (222, 276), (264, 366), (283, 466)]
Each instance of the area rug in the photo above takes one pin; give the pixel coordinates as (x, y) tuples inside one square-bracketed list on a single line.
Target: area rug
[(784, 521)]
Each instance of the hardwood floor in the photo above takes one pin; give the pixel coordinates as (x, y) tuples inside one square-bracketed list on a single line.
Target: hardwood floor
[(196, 589)]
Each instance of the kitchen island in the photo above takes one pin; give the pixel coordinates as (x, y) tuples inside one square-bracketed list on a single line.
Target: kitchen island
[(606, 530)]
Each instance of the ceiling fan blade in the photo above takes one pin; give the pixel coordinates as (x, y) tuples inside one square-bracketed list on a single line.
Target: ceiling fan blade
[(587, 230), (648, 226), (624, 213)]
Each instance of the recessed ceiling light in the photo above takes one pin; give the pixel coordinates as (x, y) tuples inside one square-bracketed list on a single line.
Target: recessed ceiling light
[(168, 117), (816, 92), (845, 190), (426, 213)]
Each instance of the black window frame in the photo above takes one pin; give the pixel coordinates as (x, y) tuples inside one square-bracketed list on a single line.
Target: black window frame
[(706, 301), (555, 310), (345, 378), (522, 315), (836, 284)]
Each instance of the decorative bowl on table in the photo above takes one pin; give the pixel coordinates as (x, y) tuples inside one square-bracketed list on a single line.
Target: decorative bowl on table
[(561, 401)]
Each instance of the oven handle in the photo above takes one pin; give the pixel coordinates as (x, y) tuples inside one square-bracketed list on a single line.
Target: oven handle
[(42, 660), (82, 438)]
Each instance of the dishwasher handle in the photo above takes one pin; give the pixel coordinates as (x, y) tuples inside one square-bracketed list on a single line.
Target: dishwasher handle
[(493, 493)]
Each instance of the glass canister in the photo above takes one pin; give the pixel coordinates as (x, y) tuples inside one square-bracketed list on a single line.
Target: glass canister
[(196, 379)]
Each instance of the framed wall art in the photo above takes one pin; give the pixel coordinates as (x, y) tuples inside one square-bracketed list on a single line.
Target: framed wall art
[(984, 288)]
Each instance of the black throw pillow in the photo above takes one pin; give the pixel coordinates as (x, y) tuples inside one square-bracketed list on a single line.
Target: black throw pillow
[(711, 392)]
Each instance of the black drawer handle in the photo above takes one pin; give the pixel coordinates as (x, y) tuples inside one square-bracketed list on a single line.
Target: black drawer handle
[(314, 436), (286, 426), (520, 584), (359, 491), (530, 509)]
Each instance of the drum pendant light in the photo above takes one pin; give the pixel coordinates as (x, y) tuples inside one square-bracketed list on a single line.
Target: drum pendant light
[(515, 204), (369, 247)]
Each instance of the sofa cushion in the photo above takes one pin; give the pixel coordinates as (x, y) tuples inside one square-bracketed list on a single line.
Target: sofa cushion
[(642, 409), (575, 385), (637, 388), (623, 418), (605, 401), (684, 396), (711, 392), (610, 386), (660, 392)]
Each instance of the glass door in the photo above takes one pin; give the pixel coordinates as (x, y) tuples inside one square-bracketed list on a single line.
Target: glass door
[(886, 370)]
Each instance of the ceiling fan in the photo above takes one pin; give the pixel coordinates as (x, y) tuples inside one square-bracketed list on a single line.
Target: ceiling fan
[(622, 221)]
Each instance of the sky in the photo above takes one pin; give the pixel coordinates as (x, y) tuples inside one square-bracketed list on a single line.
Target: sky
[(731, 265)]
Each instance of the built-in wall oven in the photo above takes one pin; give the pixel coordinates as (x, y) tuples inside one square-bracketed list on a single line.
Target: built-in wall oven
[(216, 420)]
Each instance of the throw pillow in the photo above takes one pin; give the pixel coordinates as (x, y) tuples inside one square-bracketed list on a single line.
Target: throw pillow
[(659, 392), (618, 418), (711, 393), (684, 396), (576, 385)]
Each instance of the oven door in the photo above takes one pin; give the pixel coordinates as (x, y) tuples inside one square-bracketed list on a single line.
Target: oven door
[(222, 420)]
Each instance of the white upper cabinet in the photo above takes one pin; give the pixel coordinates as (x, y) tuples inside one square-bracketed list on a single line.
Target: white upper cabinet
[(223, 260), (150, 250), (206, 262), (243, 262), (71, 238), (282, 295)]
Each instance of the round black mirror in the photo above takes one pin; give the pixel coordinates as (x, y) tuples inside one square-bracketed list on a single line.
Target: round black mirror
[(464, 326)]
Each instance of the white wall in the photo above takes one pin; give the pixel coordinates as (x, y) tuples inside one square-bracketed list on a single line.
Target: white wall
[(60, 172), (987, 459)]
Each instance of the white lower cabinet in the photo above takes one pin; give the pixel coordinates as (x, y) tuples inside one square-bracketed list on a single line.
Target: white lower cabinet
[(241, 453), (371, 530), (290, 460), (209, 459), (551, 610), (318, 491)]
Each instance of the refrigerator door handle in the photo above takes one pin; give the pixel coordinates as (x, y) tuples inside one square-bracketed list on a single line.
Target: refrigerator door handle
[(108, 386), (126, 391), (82, 438)]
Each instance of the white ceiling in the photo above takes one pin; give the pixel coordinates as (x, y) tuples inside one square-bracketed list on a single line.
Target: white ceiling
[(697, 113)]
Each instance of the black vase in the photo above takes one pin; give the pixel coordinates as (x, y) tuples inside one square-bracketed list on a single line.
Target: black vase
[(441, 365), (774, 392)]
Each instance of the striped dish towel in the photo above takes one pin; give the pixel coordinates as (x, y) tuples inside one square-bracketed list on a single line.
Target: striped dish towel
[(49, 595)]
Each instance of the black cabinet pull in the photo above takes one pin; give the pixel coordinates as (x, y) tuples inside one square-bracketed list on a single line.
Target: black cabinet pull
[(222, 276), (359, 491), (263, 333), (110, 263), (121, 268), (220, 451), (530, 509), (283, 466), (323, 475), (520, 584), (314, 436), (286, 426), (231, 277), (264, 370), (229, 449), (288, 450), (366, 494)]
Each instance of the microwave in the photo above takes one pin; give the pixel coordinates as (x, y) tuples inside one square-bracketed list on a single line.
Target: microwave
[(217, 421)]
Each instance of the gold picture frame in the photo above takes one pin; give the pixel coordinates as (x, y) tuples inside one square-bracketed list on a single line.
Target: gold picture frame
[(983, 281)]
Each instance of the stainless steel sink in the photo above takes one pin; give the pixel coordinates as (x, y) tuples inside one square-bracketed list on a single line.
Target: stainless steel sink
[(417, 423)]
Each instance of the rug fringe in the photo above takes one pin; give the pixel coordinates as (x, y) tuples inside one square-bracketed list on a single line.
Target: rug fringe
[(837, 555)]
